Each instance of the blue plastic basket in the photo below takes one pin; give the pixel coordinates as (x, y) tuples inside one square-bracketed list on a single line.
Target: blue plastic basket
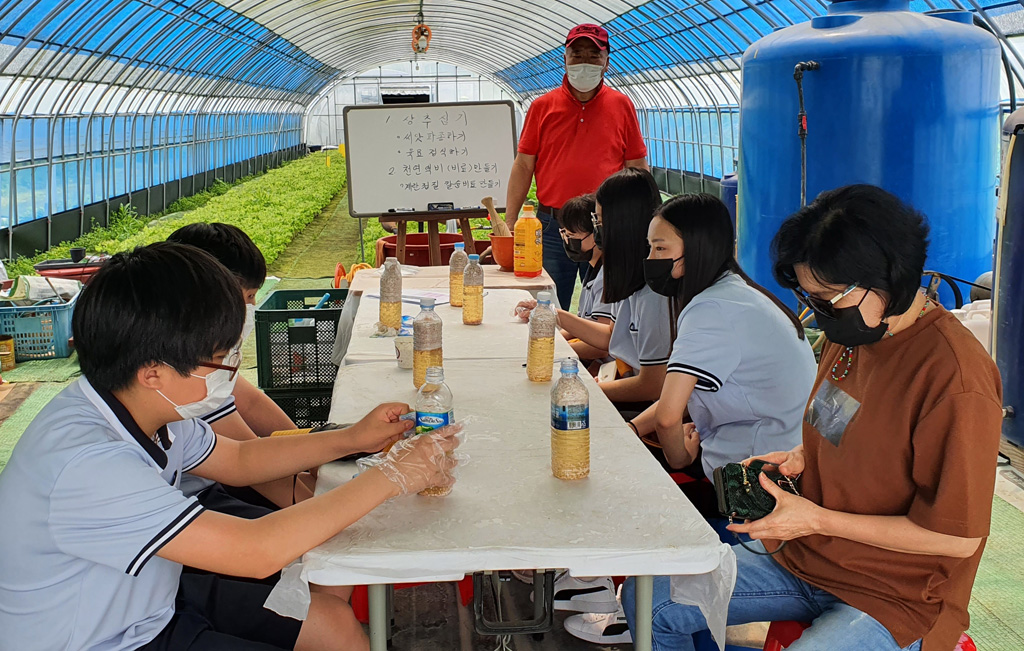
[(39, 331)]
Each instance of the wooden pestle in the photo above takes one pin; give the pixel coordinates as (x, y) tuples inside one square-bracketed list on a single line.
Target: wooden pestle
[(498, 225)]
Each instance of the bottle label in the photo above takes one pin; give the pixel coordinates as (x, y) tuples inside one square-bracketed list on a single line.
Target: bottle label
[(570, 417), (427, 421)]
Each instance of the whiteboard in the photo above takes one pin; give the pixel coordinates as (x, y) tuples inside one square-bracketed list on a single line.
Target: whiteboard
[(405, 156)]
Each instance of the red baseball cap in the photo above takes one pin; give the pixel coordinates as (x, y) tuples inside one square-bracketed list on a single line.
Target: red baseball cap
[(595, 33)]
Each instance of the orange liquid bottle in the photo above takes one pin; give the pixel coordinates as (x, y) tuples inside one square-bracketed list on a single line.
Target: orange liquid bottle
[(529, 245)]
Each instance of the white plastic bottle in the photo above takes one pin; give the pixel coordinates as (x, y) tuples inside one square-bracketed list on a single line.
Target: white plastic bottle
[(434, 410)]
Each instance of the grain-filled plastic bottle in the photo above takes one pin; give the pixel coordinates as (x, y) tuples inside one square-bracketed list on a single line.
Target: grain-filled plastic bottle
[(540, 356), (529, 244), (456, 268), (473, 292), (391, 294), (570, 425), (433, 410), (426, 342)]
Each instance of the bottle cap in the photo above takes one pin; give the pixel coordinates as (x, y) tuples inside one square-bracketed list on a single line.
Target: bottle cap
[(569, 366), (427, 302), (473, 257), (460, 246), (543, 297), (391, 259)]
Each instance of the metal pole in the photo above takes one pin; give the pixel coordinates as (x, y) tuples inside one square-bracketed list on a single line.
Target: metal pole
[(378, 601), (644, 613)]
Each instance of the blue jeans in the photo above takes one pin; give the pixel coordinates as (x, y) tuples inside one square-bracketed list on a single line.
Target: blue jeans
[(558, 265), (765, 591)]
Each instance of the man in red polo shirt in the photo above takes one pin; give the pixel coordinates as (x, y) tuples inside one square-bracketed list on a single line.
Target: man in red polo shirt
[(575, 137)]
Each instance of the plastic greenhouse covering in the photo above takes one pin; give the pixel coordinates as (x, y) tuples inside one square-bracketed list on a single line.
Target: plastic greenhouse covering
[(103, 98)]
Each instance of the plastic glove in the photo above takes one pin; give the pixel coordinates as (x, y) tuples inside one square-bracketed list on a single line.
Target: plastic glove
[(422, 461), (523, 309)]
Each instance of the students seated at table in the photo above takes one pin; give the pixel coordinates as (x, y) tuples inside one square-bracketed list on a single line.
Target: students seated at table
[(577, 231), (896, 464), (245, 412), (638, 338), (95, 527), (741, 367)]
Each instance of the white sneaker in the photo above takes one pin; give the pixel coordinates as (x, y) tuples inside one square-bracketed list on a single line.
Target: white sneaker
[(596, 595), (608, 628)]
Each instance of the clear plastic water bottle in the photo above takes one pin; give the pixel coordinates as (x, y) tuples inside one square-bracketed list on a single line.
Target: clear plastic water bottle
[(456, 268), (540, 356), (473, 292), (433, 410), (426, 342), (391, 294), (570, 425)]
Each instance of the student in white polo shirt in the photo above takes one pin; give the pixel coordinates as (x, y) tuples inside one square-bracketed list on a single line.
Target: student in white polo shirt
[(740, 368), (95, 527)]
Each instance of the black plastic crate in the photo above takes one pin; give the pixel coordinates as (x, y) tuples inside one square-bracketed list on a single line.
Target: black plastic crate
[(294, 342), (306, 407)]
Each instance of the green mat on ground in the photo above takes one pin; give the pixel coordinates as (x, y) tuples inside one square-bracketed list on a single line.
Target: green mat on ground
[(45, 370), (12, 428), (997, 603)]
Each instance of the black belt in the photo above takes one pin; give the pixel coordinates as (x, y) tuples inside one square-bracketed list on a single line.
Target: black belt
[(554, 212)]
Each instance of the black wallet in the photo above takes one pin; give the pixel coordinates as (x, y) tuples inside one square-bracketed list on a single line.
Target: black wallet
[(741, 496)]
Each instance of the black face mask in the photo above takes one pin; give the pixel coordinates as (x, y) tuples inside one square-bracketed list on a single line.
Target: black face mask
[(574, 250), (599, 235), (658, 275), (847, 327)]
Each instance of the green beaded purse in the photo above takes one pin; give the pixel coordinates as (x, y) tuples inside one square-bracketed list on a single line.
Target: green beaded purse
[(740, 494)]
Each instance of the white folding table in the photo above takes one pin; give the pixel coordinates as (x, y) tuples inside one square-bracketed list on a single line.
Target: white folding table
[(506, 510)]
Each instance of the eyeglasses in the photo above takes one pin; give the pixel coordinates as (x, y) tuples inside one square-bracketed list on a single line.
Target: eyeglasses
[(820, 305), (233, 362)]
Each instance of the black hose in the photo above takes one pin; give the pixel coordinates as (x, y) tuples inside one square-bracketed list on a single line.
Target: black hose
[(798, 75)]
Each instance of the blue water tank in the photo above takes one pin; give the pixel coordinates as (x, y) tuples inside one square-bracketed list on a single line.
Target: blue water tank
[(902, 100), (730, 188)]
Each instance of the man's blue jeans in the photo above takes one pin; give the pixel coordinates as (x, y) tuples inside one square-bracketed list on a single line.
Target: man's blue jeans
[(558, 265), (765, 591)]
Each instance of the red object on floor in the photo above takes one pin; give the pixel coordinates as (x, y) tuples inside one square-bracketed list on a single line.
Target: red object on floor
[(361, 603), (782, 634)]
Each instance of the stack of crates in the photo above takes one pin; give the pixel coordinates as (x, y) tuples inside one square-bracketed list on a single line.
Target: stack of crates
[(294, 342)]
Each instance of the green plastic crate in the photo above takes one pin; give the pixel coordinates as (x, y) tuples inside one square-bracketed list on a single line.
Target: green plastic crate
[(294, 342), (306, 407)]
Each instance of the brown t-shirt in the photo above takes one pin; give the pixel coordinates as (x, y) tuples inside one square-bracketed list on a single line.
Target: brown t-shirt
[(912, 430)]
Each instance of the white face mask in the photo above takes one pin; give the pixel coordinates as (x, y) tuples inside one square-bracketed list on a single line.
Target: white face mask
[(250, 320), (219, 385), (584, 77)]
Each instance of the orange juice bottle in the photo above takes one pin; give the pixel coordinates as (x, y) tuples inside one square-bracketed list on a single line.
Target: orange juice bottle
[(529, 247)]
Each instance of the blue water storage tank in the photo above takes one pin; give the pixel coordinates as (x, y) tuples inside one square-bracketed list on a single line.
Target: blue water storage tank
[(730, 188), (902, 100)]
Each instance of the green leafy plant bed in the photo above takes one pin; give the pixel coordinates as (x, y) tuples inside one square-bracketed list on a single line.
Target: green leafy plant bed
[(270, 207)]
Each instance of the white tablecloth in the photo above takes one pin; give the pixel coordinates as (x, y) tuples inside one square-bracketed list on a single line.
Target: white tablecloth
[(507, 511)]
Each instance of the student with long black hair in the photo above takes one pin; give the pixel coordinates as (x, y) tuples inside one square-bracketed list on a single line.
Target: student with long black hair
[(638, 338), (740, 367)]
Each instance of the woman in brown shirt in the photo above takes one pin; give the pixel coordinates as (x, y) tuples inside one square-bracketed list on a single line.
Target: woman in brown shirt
[(897, 464)]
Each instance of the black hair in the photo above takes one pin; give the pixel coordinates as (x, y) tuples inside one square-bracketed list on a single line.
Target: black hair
[(628, 199), (703, 221), (575, 215), (165, 302), (856, 234), (232, 248)]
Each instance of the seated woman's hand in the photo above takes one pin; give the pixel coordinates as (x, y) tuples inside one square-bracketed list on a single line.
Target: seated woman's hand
[(422, 461), (789, 463), (793, 517), (523, 309)]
